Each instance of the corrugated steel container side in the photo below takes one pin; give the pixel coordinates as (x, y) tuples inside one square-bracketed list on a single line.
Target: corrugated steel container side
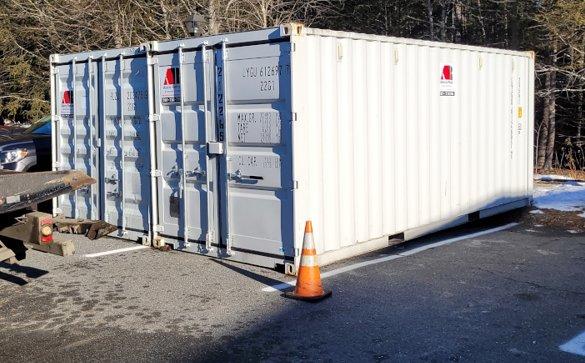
[(225, 145), (380, 150)]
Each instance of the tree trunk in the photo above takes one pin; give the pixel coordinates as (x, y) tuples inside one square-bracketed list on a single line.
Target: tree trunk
[(213, 25), (165, 17), (551, 86), (443, 22), (514, 26), (481, 22), (580, 115), (431, 21), (117, 33), (580, 110), (551, 78), (458, 21), (543, 133)]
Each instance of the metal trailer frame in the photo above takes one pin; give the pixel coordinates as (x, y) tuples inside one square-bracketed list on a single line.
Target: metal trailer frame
[(20, 193)]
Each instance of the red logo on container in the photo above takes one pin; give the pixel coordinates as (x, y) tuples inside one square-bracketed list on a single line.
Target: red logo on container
[(447, 74), (172, 76), (67, 97)]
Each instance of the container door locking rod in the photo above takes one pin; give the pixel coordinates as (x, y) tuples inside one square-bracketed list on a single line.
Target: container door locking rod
[(222, 104), (121, 185), (91, 145), (102, 154), (74, 125), (210, 208), (55, 128), (183, 170), (152, 118)]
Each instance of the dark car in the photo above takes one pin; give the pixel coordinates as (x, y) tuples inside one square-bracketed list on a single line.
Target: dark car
[(29, 150)]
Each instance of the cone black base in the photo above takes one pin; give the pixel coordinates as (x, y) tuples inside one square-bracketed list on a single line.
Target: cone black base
[(292, 295)]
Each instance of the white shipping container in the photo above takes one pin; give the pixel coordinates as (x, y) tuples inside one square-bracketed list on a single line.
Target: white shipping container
[(225, 145)]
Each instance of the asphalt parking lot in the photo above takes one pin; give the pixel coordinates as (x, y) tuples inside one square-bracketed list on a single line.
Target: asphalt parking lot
[(513, 294)]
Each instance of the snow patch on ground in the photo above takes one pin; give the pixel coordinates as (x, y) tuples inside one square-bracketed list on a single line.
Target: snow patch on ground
[(567, 197), (551, 177)]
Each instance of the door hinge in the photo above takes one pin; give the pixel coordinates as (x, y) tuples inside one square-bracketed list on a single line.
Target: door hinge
[(295, 184), (293, 117), (57, 164), (159, 228), (228, 247), (154, 118), (156, 173), (209, 239)]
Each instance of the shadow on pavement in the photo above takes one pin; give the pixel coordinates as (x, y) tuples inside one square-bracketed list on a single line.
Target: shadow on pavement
[(30, 272), (13, 279), (254, 276)]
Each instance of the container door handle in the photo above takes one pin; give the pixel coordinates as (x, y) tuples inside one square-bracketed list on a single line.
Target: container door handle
[(197, 173), (238, 176)]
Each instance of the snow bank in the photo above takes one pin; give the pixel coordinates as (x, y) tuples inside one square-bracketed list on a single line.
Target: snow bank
[(551, 177), (568, 197)]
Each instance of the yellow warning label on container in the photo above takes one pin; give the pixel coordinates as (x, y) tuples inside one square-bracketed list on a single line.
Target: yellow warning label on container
[(520, 112)]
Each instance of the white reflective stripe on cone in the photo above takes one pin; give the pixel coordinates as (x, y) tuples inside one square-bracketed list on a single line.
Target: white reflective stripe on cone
[(308, 241), (309, 261)]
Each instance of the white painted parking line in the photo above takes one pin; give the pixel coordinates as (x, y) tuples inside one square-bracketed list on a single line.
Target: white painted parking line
[(285, 285), (457, 239), (112, 252), (575, 345)]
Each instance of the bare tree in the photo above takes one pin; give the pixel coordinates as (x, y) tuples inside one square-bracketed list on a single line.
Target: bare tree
[(31, 30)]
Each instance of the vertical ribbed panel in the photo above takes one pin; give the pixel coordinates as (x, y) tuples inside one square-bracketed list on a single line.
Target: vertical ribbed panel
[(387, 133), (379, 151), (397, 146), (345, 151), (359, 135)]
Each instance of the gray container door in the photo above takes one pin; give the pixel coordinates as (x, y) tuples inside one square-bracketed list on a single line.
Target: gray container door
[(125, 151), (256, 171), (76, 134), (186, 205)]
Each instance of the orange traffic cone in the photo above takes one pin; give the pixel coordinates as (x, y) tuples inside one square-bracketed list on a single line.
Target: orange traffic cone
[(309, 285)]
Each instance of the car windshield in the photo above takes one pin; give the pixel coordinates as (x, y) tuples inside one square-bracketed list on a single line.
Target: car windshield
[(42, 127)]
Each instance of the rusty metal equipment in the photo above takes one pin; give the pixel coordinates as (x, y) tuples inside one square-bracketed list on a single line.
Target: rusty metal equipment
[(36, 230), (90, 228)]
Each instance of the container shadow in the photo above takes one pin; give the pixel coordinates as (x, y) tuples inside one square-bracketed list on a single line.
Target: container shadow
[(405, 309), (249, 274)]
